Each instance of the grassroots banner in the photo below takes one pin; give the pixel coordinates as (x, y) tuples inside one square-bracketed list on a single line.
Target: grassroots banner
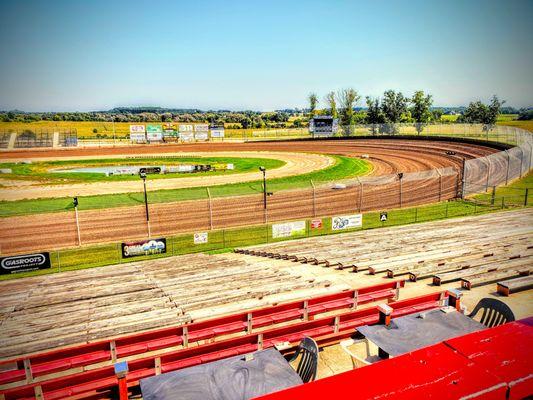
[(347, 222), (288, 229), (24, 263), (144, 247), (200, 238)]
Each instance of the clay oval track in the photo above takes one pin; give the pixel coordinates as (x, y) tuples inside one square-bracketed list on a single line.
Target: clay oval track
[(57, 230), (295, 163)]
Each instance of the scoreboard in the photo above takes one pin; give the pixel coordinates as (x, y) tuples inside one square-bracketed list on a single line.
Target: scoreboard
[(324, 125)]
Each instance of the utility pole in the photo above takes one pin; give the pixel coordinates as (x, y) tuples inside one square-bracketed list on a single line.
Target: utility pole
[(75, 201), (142, 175), (263, 170)]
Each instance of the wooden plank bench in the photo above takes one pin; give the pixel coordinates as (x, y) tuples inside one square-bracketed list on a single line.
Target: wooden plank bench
[(491, 277), (457, 275), (509, 286)]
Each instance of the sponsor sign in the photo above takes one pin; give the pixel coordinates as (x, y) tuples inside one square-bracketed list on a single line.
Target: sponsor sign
[(150, 170), (288, 229), (24, 263), (347, 222), (137, 129), (201, 128), (217, 131), (316, 223), (138, 137), (383, 216), (170, 130), (153, 128), (154, 132), (185, 128), (144, 247), (187, 136), (201, 135), (200, 237)]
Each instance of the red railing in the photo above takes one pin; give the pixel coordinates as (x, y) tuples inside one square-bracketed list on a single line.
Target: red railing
[(326, 330), (27, 368)]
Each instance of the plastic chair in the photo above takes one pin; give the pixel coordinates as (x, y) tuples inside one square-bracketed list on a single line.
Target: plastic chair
[(357, 361), (308, 365), (495, 312)]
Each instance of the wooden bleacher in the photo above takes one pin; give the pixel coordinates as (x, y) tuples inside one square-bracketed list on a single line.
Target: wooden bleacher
[(509, 286), (477, 250)]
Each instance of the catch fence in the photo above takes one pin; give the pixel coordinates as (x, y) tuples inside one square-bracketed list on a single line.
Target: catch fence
[(359, 195), (219, 239)]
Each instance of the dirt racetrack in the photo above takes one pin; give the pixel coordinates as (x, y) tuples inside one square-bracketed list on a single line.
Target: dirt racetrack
[(295, 164), (430, 175)]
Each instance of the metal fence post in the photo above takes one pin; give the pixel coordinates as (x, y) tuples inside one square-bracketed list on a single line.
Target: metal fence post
[(463, 179), (521, 160), (210, 209), (526, 196), (508, 164), (58, 261), (488, 175), (314, 197), (440, 184), (400, 179)]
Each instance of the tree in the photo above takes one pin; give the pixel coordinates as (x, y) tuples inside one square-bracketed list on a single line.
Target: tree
[(479, 113), (347, 99), (313, 102), (420, 111), (374, 115), (393, 106), (332, 103)]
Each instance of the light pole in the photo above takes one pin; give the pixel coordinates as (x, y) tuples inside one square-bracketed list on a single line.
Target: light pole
[(263, 170), (142, 175)]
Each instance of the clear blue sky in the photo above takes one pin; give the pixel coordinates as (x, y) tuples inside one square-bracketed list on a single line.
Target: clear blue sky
[(263, 55)]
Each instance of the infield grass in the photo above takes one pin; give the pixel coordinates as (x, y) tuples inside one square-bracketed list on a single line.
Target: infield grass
[(344, 167)]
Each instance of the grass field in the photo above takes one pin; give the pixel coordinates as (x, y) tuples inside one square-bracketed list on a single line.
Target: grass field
[(226, 240), (43, 171), (344, 167)]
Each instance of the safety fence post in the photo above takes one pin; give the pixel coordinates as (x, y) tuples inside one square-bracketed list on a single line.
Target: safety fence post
[(488, 175), (493, 197), (508, 165), (58, 261), (440, 184), (521, 161), (210, 209), (314, 197), (526, 197)]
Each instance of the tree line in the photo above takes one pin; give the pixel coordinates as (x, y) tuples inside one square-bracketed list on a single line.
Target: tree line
[(394, 108)]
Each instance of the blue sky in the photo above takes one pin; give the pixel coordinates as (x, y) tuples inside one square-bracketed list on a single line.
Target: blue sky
[(263, 55)]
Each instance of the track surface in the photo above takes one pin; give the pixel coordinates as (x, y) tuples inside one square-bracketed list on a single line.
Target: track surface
[(295, 164), (58, 230)]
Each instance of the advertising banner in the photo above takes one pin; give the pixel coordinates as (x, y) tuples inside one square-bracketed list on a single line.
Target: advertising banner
[(24, 263), (316, 223), (201, 128), (347, 222), (185, 128), (138, 137), (201, 136), (144, 247), (200, 238), (170, 130), (288, 229), (154, 132), (137, 129), (217, 131), (187, 136)]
